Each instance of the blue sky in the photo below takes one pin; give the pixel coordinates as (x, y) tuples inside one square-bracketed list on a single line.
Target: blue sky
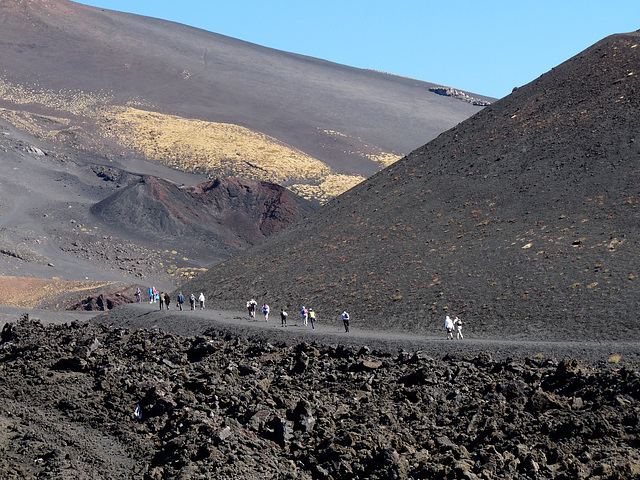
[(485, 47)]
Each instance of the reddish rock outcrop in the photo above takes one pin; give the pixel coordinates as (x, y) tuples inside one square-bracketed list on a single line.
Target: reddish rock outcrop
[(227, 214)]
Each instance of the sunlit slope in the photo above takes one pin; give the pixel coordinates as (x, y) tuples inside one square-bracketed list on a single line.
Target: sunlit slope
[(124, 85)]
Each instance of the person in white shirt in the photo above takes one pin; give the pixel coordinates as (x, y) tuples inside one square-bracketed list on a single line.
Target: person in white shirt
[(345, 320), (448, 325)]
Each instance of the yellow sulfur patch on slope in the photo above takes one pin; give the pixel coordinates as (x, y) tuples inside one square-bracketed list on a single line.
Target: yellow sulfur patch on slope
[(213, 148)]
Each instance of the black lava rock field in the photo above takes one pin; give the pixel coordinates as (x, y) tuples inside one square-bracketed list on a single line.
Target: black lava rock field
[(87, 400)]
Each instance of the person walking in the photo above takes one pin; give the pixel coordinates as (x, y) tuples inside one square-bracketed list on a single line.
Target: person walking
[(180, 300), (161, 301), (345, 321), (152, 294), (283, 317), (448, 326), (265, 311), (138, 295), (192, 301), (251, 307), (167, 300), (457, 325), (201, 300), (305, 315), (312, 317)]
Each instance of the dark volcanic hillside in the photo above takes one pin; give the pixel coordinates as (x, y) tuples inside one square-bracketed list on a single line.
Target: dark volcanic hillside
[(521, 217), (223, 215)]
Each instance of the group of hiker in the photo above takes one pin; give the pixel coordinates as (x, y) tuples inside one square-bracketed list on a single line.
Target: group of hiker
[(164, 299), (453, 326), (308, 315)]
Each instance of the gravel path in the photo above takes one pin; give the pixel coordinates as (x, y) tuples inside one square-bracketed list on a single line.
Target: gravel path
[(191, 323)]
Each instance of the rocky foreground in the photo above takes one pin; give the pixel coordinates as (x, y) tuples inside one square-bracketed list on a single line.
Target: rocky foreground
[(220, 406)]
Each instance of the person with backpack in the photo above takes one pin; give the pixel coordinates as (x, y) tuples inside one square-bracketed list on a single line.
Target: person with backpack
[(345, 320), (180, 300), (305, 315), (167, 300), (457, 325), (138, 294), (251, 307), (161, 301), (448, 326), (312, 317), (265, 311), (283, 317), (192, 301)]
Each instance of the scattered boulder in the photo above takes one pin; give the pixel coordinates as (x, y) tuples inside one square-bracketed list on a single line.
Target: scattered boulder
[(183, 407)]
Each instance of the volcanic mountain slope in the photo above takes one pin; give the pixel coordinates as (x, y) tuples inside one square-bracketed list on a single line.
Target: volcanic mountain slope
[(144, 229), (121, 84), (92, 99), (521, 217)]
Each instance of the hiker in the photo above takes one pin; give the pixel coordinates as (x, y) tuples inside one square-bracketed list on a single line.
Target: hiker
[(283, 317), (180, 300), (152, 294), (265, 310), (312, 317), (448, 325), (167, 300), (251, 306), (305, 315), (138, 294), (201, 300), (161, 301), (457, 325), (192, 301), (345, 320)]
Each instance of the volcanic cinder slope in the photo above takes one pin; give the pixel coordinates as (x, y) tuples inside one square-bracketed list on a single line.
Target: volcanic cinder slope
[(223, 215), (523, 220), (94, 101)]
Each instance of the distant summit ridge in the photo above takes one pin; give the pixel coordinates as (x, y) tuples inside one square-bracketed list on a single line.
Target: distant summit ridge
[(131, 85), (459, 94)]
